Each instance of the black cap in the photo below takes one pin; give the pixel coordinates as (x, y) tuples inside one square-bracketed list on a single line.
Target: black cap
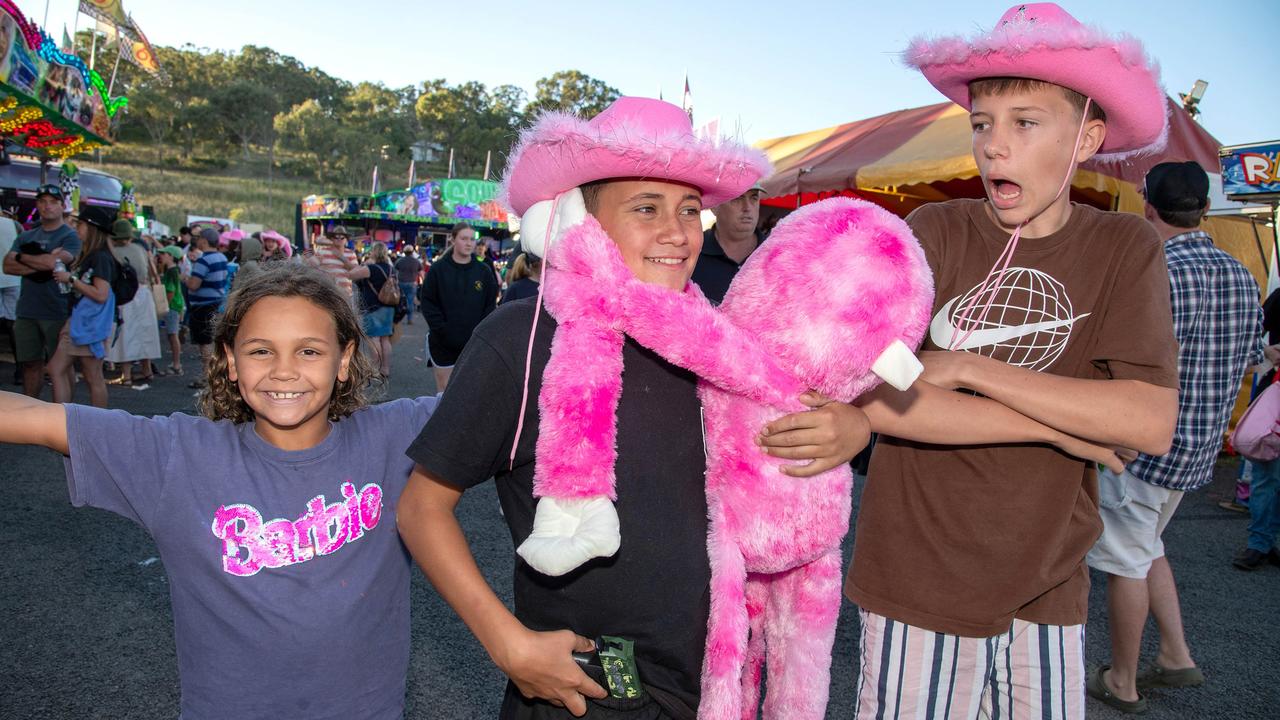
[(49, 189), (98, 217), (1177, 186)]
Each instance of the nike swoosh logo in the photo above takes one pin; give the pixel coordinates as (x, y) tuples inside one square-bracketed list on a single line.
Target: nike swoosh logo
[(943, 333)]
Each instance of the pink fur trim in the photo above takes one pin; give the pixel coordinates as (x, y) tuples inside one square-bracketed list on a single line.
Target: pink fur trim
[(1017, 39), (560, 151)]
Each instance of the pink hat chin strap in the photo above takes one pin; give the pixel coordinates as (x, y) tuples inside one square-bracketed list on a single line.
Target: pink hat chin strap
[(533, 330), (992, 282)]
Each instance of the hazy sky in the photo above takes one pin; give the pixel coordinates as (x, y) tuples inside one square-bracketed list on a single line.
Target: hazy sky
[(765, 68)]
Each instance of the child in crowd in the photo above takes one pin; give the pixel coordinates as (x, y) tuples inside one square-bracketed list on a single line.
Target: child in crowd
[(171, 276), (273, 513)]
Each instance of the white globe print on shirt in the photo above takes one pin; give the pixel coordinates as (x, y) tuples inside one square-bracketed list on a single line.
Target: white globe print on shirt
[(1028, 324)]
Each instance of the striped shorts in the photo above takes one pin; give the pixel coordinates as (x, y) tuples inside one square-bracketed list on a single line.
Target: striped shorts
[(1031, 671)]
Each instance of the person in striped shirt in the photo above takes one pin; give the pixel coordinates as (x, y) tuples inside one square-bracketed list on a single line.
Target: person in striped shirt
[(332, 255), (206, 289)]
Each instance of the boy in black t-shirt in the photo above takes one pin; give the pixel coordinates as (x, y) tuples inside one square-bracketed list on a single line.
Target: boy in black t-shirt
[(654, 590)]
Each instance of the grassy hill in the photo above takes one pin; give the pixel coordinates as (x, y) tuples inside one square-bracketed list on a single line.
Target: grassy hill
[(175, 189)]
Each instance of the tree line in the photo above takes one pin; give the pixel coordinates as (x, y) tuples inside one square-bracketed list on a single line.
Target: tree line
[(256, 102)]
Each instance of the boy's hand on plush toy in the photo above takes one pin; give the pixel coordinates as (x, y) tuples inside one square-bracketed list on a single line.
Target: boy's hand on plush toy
[(541, 666), (829, 435)]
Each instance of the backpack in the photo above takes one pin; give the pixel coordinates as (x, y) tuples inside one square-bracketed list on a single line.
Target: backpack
[(1255, 435), (125, 286), (389, 293)]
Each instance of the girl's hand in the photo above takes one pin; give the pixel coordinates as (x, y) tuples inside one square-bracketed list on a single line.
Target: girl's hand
[(541, 666), (829, 435), (62, 277)]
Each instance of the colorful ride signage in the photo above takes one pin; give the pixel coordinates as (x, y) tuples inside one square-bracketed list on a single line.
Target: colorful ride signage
[(1251, 172), (439, 202), (50, 101)]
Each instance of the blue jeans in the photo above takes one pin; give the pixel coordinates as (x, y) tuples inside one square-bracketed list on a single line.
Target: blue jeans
[(409, 292), (1264, 510)]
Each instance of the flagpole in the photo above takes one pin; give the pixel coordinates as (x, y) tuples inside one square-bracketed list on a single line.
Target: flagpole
[(450, 163), (488, 154), (411, 172), (45, 24), (75, 28), (119, 52), (93, 49)]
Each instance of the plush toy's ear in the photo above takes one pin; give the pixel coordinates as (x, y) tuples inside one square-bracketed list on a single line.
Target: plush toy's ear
[(897, 365), (547, 221)]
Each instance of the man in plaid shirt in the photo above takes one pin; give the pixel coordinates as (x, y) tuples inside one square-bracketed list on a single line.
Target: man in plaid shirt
[(1217, 320)]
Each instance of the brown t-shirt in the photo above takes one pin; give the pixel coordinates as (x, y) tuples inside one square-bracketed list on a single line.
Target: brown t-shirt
[(964, 539)]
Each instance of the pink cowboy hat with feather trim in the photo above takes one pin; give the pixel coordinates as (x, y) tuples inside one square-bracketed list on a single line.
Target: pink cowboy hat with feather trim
[(1041, 41), (632, 138)]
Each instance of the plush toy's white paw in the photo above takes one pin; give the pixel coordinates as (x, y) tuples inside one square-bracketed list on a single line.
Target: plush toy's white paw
[(898, 366), (567, 533)]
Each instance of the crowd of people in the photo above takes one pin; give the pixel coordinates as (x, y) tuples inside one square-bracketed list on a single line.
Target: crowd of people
[(999, 478)]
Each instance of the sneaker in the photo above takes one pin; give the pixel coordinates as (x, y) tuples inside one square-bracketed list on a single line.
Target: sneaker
[(1233, 506), (1250, 560)]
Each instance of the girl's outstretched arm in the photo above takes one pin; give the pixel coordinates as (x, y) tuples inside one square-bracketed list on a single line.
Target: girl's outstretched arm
[(24, 421)]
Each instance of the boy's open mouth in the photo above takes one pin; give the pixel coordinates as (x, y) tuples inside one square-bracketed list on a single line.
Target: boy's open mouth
[(1005, 193)]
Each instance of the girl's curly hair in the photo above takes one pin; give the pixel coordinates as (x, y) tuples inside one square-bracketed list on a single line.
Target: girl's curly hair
[(221, 400)]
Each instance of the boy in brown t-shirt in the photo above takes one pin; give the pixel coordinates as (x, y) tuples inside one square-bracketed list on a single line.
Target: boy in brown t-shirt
[(969, 562)]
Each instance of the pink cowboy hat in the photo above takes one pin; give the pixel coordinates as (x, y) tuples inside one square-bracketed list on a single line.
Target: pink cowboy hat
[(633, 138), (229, 236), (1041, 41), (281, 241)]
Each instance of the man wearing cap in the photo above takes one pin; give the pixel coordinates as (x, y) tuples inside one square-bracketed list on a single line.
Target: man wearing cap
[(42, 308), (1218, 323), (332, 255), (728, 243), (206, 289)]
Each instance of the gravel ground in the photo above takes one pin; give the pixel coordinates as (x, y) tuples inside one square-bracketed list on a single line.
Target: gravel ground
[(88, 630)]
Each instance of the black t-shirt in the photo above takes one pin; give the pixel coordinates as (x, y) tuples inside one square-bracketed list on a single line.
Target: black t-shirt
[(520, 289), (101, 264), (715, 270), (655, 590)]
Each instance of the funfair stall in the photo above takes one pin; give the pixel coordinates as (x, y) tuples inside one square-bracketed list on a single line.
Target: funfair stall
[(420, 215)]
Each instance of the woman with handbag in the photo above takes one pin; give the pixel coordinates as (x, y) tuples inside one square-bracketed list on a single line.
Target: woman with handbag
[(379, 295), (138, 337)]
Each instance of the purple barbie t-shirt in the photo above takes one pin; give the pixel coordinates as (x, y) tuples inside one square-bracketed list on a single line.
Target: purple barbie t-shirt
[(289, 583)]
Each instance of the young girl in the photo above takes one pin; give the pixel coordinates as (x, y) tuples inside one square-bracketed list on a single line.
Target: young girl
[(274, 514), (92, 322)]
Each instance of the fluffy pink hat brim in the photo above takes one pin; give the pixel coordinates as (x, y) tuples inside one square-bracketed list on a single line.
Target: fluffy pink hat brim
[(1112, 70), (561, 151)]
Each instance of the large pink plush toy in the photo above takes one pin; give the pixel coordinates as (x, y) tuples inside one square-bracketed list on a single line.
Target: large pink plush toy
[(833, 301)]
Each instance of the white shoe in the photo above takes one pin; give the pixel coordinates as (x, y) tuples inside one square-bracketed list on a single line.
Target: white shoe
[(567, 533)]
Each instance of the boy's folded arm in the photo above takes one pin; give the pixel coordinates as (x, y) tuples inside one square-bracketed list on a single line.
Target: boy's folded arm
[(32, 422), (930, 414), (1125, 413)]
